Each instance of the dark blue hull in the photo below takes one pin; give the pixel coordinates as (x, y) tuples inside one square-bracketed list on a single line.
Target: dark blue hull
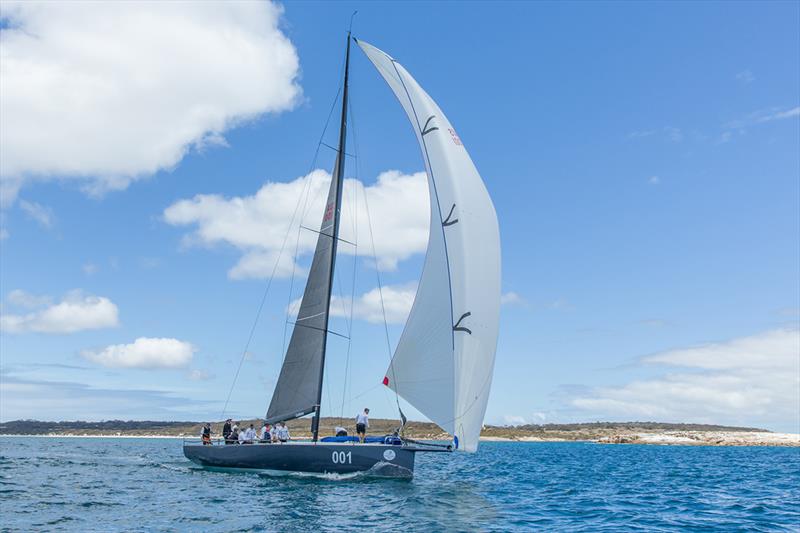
[(319, 458)]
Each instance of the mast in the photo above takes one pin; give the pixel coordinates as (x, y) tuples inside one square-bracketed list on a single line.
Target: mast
[(338, 175)]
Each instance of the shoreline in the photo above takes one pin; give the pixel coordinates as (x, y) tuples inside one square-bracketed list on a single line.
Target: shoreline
[(666, 438)]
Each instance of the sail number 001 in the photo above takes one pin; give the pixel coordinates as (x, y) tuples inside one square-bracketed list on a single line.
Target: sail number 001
[(342, 457)]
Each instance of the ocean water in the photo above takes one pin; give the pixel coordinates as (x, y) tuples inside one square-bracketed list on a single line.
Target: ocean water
[(49, 484)]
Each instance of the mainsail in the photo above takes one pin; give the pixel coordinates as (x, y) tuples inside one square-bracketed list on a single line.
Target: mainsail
[(444, 360), (299, 388)]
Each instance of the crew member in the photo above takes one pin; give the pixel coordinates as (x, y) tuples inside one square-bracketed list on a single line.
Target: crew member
[(362, 423), (283, 432), (226, 430)]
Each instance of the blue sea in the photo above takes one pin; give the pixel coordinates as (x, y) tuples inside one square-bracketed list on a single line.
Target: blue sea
[(49, 484)]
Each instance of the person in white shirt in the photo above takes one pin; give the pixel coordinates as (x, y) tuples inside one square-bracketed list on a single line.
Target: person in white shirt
[(273, 433), (283, 433), (362, 423), (249, 435)]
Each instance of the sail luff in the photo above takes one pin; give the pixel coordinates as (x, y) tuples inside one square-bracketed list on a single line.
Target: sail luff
[(337, 177), (298, 391)]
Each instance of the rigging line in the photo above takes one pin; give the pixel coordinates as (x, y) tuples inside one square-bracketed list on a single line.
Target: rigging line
[(356, 397), (383, 306), (291, 290), (354, 217), (328, 235), (260, 308), (377, 269), (275, 268), (336, 149), (306, 191), (325, 129)]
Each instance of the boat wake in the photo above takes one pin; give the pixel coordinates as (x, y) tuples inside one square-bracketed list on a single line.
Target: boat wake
[(379, 470)]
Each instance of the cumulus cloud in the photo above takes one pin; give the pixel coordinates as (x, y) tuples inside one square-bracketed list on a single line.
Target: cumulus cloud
[(75, 312), (749, 380), (397, 302), (258, 224), (106, 93), (144, 352)]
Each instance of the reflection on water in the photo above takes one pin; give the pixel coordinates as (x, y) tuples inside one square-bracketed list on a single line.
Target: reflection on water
[(130, 484)]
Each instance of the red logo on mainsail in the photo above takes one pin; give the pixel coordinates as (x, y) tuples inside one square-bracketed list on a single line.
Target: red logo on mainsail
[(328, 213), (386, 380)]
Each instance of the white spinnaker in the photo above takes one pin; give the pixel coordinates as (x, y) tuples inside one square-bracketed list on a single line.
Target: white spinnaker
[(444, 361)]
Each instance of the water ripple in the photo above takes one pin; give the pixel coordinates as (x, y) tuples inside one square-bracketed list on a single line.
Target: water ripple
[(147, 485)]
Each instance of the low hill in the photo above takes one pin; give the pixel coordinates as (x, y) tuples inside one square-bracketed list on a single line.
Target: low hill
[(301, 428)]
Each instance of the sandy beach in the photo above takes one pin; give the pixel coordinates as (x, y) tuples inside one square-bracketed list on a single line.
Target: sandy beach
[(685, 438)]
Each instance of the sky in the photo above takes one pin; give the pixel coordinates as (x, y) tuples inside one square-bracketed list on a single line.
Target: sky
[(643, 159)]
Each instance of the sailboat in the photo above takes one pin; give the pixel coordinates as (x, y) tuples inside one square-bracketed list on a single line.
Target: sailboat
[(444, 360)]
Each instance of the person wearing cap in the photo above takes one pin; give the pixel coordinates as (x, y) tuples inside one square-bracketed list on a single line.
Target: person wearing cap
[(362, 423), (205, 434), (226, 430)]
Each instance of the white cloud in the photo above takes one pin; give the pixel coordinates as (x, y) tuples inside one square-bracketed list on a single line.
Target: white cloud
[(257, 225), (144, 352), (751, 380), (90, 269), (725, 137), (653, 180), (511, 298), (106, 93), (561, 304), (41, 214), (199, 375), (757, 117), (773, 349), (514, 420), (777, 114), (75, 312), (24, 299), (745, 76), (25, 397), (397, 302)]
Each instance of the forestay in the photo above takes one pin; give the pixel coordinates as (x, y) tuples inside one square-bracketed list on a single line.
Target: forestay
[(444, 360), (297, 390)]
